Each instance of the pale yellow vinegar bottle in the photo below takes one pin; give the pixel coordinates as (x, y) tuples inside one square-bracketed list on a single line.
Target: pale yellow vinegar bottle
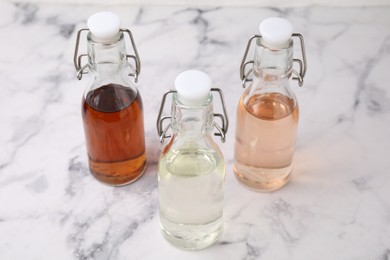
[(267, 113), (191, 169)]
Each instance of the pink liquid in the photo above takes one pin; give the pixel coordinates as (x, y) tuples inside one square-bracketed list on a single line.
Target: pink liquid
[(265, 139)]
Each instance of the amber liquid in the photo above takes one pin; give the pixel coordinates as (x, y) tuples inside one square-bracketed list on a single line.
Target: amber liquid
[(114, 132), (265, 139)]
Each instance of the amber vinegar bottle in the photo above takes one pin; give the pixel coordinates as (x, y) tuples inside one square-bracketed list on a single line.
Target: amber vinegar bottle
[(268, 111), (112, 109)]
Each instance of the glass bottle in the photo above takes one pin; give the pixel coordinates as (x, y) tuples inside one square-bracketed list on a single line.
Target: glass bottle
[(268, 111), (191, 169), (112, 108)]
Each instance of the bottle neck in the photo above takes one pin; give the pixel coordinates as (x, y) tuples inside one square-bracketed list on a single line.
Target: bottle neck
[(273, 65), (107, 59), (192, 122), (272, 70)]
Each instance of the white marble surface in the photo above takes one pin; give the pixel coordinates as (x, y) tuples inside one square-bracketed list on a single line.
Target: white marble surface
[(337, 205), (279, 3)]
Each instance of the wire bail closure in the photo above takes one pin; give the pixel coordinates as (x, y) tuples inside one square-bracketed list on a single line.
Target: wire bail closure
[(244, 74), (221, 130), (82, 69)]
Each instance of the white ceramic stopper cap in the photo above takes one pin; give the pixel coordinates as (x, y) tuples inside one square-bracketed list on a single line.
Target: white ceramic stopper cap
[(104, 26), (193, 87), (275, 32)]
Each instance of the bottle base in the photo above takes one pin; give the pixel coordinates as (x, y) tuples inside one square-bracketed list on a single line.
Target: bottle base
[(263, 179), (191, 237), (118, 173)]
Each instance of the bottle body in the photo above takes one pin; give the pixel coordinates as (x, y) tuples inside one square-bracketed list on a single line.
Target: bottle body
[(191, 196), (265, 139), (112, 114), (114, 134), (267, 121), (191, 174)]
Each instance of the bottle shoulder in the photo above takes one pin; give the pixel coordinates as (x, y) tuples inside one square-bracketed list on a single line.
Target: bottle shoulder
[(192, 147), (190, 161), (112, 97), (263, 88)]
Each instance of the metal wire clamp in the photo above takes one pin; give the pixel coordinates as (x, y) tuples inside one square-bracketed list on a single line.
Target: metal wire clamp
[(244, 73), (82, 69), (221, 129)]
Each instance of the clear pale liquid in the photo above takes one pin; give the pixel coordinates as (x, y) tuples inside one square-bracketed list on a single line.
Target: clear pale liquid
[(265, 139), (191, 197)]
